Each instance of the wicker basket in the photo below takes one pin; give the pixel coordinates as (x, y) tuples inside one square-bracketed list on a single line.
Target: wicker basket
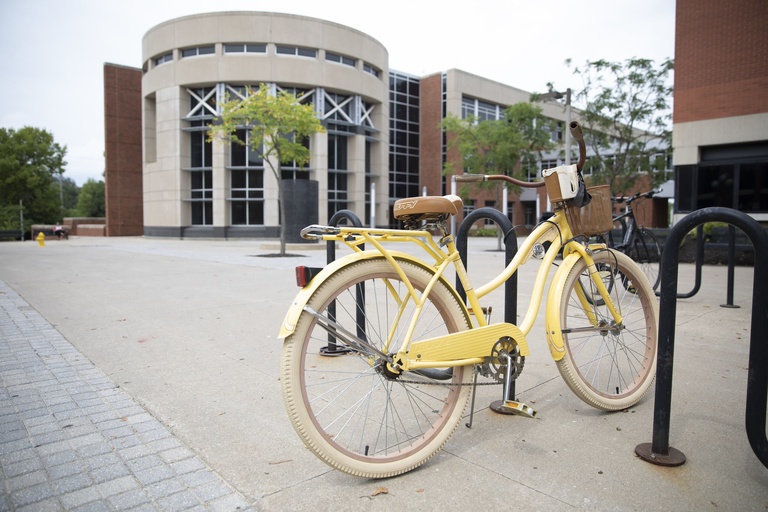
[(596, 217)]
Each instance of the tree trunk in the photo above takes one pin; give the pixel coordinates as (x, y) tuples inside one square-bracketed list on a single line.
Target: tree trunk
[(281, 199)]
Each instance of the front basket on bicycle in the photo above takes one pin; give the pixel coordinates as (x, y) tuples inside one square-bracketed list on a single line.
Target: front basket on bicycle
[(594, 218)]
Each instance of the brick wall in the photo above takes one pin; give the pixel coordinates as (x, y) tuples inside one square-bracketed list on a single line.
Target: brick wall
[(122, 130), (721, 59), (431, 137)]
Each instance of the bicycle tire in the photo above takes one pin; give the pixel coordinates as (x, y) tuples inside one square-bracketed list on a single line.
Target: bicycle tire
[(646, 252), (347, 410), (610, 368)]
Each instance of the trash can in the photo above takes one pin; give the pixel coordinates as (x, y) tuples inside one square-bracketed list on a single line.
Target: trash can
[(301, 208)]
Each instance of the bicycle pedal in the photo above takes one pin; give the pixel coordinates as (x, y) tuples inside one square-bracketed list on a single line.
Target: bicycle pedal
[(513, 407)]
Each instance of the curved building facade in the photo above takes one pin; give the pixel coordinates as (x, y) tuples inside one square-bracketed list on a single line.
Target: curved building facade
[(192, 187)]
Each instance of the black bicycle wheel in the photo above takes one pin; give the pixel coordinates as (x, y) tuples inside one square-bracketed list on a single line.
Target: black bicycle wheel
[(646, 251)]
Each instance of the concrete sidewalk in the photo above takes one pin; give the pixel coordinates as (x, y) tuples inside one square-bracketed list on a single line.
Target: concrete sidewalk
[(139, 373)]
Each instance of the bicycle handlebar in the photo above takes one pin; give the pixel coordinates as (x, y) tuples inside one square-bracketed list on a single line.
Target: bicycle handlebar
[(578, 136), (465, 178), (637, 195)]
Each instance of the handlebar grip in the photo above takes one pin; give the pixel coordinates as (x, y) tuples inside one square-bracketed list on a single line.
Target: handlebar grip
[(469, 177), (576, 131)]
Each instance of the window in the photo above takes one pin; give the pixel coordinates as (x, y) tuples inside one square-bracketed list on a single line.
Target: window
[(481, 110), (469, 206), (168, 57), (201, 179), (403, 136), (245, 48), (489, 222), (337, 174), (545, 164), (298, 51), (200, 50), (246, 183), (487, 111), (201, 188), (371, 70), (341, 59), (247, 197)]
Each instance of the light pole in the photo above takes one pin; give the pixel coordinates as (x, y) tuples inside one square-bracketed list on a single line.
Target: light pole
[(557, 95)]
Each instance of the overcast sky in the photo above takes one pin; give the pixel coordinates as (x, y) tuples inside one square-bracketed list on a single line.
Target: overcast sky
[(53, 51)]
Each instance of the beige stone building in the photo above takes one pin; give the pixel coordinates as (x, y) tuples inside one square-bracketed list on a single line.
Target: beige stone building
[(192, 187)]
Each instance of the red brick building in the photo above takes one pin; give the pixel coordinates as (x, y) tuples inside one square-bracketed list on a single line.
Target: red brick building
[(720, 137)]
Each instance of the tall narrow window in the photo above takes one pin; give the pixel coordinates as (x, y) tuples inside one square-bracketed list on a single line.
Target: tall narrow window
[(201, 179), (337, 174), (247, 184)]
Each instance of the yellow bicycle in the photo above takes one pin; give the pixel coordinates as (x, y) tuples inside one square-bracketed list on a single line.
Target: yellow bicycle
[(380, 352)]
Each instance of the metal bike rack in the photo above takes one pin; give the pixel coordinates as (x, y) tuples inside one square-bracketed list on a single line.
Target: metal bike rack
[(510, 287), (658, 451), (700, 263), (332, 349)]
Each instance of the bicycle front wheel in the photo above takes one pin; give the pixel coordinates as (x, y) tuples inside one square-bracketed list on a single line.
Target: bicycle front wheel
[(646, 252), (609, 366), (351, 409)]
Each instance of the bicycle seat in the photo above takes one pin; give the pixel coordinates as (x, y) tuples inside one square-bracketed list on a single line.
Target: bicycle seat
[(424, 207)]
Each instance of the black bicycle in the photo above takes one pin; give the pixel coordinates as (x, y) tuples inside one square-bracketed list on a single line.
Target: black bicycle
[(638, 243)]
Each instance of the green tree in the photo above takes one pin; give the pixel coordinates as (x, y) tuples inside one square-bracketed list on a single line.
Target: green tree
[(511, 146), (627, 114), (276, 125), (69, 191), (29, 160), (90, 202)]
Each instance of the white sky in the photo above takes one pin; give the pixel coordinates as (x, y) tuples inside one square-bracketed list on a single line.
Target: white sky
[(53, 51)]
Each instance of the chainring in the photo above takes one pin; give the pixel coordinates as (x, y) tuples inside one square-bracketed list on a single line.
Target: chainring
[(497, 362)]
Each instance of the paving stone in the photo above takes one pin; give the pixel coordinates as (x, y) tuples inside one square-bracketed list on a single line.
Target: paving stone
[(129, 500), (71, 483), (49, 505), (80, 497), (179, 501), (32, 494), (165, 488), (110, 472), (155, 474), (118, 486), (21, 482)]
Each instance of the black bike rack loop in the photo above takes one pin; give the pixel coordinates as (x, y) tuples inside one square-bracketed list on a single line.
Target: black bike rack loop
[(510, 243), (658, 451), (332, 349)]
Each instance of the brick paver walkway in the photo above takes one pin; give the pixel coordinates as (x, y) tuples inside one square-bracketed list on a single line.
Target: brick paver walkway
[(70, 439)]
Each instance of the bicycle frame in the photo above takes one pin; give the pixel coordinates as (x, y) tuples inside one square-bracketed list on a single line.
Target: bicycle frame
[(464, 347)]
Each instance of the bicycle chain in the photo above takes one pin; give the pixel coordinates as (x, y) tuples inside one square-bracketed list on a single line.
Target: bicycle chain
[(443, 384)]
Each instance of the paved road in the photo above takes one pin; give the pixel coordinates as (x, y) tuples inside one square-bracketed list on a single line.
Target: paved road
[(144, 373)]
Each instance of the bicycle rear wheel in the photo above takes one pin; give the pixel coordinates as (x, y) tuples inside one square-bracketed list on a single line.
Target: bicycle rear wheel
[(353, 411), (609, 366), (646, 252)]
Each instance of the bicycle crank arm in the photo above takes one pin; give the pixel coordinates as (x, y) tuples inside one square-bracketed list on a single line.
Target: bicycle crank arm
[(345, 336)]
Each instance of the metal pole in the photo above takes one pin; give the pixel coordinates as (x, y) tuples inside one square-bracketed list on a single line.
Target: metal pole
[(373, 205), (568, 126), (731, 262), (21, 218), (453, 217)]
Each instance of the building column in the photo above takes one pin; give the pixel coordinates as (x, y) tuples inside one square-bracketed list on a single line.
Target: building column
[(356, 177)]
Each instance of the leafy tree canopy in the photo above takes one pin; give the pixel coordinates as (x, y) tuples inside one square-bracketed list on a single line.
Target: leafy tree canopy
[(509, 146), (90, 202), (29, 160), (626, 109)]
